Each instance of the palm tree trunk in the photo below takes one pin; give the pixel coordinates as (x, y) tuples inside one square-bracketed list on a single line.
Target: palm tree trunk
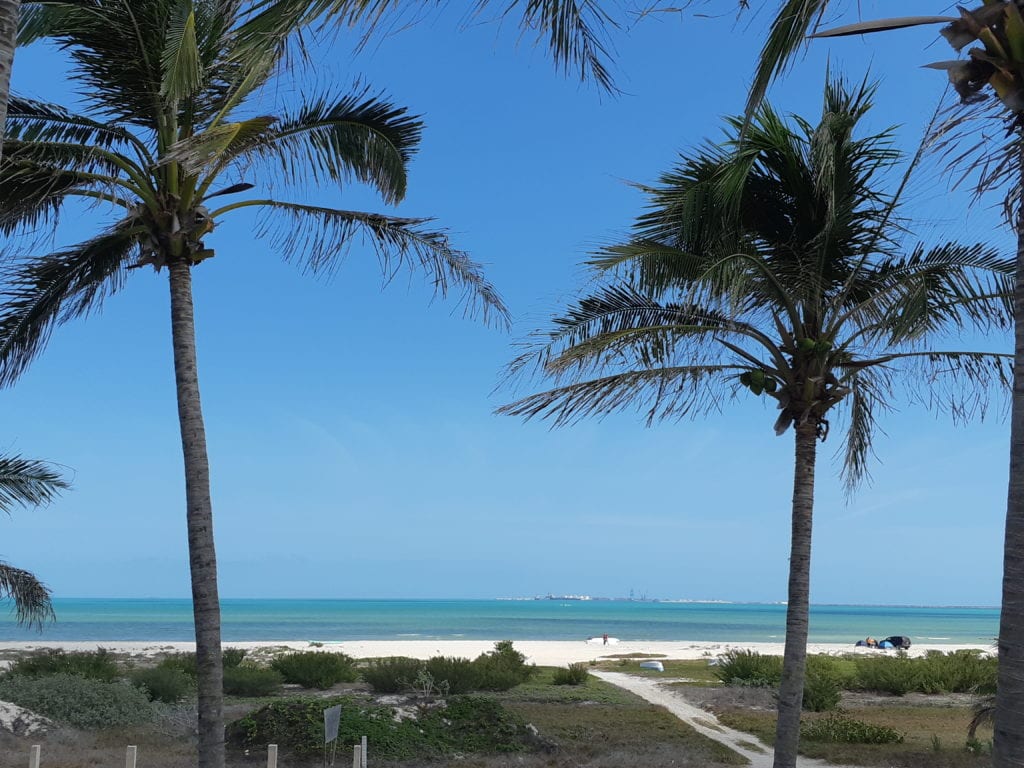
[(794, 660), (202, 556), (8, 40), (1008, 741)]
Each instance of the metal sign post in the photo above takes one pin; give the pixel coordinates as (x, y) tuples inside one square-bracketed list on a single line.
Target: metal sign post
[(332, 722)]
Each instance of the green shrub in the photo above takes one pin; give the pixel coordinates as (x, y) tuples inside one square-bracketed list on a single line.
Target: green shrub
[(742, 667), (451, 675), (164, 684), (313, 669), (822, 690), (963, 671), (472, 724), (574, 674), (251, 681), (184, 662), (232, 657), (840, 729), (502, 669), (465, 724), (392, 675), (78, 701), (889, 674), (95, 665)]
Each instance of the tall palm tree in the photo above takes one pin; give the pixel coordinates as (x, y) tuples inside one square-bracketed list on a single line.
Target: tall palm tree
[(27, 483), (773, 265), (168, 144), (991, 81)]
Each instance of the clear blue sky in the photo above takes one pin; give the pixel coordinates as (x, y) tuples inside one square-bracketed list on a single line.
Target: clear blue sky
[(353, 446)]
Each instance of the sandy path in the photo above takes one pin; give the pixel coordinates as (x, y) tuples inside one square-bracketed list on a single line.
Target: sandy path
[(705, 723)]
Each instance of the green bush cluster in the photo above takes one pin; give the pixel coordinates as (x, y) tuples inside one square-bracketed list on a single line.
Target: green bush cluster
[(964, 671), (186, 661), (497, 670), (392, 675), (464, 724), (248, 681), (166, 684), (823, 683), (837, 728), (742, 667), (502, 669), (78, 701), (94, 665), (313, 669), (574, 674)]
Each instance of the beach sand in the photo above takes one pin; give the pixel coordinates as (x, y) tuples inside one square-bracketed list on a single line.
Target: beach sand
[(540, 652)]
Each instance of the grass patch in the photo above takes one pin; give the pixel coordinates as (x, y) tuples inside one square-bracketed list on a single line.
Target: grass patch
[(642, 734), (695, 671), (918, 724)]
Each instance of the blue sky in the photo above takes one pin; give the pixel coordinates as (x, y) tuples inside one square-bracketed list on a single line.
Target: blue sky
[(353, 446)]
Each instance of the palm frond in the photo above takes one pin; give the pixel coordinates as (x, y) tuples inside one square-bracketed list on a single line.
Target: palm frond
[(335, 139), (575, 30), (901, 298), (869, 393), (317, 239), (30, 120), (794, 21), (32, 604), (28, 482), (41, 292), (40, 20), (664, 393), (181, 65)]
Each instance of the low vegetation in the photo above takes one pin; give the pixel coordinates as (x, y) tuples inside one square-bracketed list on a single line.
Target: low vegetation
[(78, 701), (316, 669), (499, 670), (963, 671), (94, 665), (574, 674)]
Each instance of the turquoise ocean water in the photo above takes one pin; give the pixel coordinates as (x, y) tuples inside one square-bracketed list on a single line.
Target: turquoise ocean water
[(333, 620)]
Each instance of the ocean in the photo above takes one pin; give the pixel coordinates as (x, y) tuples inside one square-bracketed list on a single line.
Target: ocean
[(545, 619)]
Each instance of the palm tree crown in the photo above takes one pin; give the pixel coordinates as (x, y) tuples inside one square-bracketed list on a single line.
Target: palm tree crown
[(774, 263), (165, 136)]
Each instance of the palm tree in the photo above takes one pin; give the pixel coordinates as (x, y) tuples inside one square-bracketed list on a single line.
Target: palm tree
[(772, 264), (995, 69), (27, 483), (8, 38), (166, 135)]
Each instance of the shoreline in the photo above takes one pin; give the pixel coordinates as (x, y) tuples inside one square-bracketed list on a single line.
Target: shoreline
[(540, 652)]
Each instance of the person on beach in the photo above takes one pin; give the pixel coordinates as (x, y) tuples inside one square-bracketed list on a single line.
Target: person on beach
[(604, 637)]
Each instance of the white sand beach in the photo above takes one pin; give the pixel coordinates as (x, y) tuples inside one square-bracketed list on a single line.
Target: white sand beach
[(540, 652)]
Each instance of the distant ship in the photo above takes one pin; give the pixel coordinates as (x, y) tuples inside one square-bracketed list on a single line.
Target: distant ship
[(563, 597)]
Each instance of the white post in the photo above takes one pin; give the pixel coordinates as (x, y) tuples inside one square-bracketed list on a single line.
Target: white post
[(271, 755), (362, 749), (129, 757), (33, 756), (357, 756)]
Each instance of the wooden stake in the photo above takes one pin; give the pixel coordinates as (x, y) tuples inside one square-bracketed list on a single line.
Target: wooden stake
[(271, 755), (362, 749), (129, 757), (357, 756), (33, 756)]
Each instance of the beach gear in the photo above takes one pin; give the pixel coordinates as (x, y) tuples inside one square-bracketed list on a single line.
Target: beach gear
[(886, 644), (899, 641)]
